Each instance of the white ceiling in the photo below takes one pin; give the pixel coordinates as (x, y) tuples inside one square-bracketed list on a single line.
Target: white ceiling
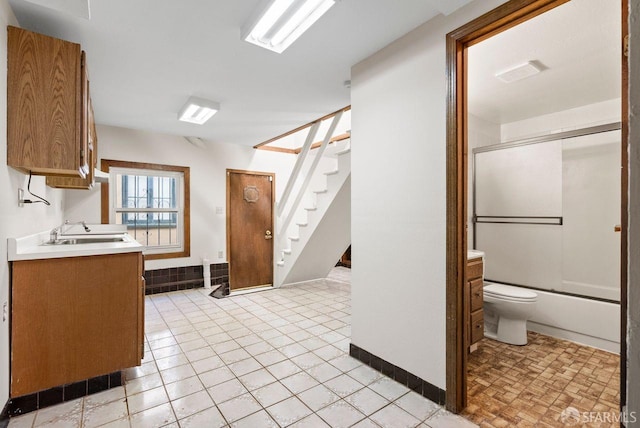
[(146, 57), (579, 45)]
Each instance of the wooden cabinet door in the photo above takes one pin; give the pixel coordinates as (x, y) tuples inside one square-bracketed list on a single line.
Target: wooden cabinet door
[(73, 319), (89, 146), (44, 105)]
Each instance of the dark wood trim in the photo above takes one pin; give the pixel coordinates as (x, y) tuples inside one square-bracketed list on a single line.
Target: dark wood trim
[(624, 220), (500, 19), (105, 164), (300, 128), (299, 149), (332, 140), (278, 149)]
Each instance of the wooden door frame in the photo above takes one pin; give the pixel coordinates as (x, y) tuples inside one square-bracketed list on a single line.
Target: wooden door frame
[(496, 21), (230, 171)]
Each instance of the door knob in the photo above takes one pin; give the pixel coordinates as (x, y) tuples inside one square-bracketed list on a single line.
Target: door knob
[(267, 235)]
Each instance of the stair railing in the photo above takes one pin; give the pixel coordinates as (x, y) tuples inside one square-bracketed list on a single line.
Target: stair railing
[(284, 225), (306, 148)]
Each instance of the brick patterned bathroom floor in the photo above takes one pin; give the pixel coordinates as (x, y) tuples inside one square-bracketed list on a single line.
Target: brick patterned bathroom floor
[(530, 386)]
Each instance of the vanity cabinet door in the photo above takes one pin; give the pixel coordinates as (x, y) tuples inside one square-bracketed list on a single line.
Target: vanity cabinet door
[(473, 303)]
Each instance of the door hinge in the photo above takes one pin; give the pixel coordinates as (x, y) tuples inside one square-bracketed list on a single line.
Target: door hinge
[(625, 46), (270, 178)]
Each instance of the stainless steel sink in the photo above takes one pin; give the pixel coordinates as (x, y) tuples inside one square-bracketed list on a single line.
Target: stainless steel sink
[(88, 240)]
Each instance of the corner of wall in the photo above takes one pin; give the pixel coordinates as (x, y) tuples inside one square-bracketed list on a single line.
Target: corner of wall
[(633, 286)]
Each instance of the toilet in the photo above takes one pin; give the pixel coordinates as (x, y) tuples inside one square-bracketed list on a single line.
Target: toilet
[(506, 311)]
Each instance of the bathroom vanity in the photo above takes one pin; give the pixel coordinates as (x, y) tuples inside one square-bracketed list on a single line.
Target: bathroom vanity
[(473, 299), (77, 308)]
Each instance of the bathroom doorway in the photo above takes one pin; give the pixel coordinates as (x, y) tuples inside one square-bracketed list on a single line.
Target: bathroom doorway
[(459, 159)]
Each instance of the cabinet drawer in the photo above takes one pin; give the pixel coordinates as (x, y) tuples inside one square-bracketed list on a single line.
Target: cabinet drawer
[(477, 326), (476, 294), (474, 269)]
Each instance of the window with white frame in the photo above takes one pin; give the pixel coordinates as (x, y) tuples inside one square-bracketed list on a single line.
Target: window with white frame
[(150, 200)]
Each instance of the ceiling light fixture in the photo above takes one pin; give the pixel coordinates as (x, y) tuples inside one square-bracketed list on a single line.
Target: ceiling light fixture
[(519, 72), (281, 22), (198, 110)]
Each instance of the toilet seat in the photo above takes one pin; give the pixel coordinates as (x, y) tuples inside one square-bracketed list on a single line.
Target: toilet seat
[(508, 292)]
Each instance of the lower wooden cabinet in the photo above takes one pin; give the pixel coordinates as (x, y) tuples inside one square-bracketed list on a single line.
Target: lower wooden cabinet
[(473, 303), (75, 318)]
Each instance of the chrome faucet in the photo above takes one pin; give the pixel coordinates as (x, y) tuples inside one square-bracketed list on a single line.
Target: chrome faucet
[(57, 231)]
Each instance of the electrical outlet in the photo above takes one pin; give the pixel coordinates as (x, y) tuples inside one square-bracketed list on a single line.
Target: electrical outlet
[(5, 312), (220, 254)]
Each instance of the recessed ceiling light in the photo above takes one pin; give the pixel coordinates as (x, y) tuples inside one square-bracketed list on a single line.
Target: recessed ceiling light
[(281, 22), (198, 110), (519, 72)]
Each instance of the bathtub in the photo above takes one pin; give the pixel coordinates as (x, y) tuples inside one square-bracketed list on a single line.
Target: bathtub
[(585, 321)]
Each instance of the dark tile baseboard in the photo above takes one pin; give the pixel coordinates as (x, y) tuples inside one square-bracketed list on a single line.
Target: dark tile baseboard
[(50, 397), (183, 278), (407, 379), (4, 416)]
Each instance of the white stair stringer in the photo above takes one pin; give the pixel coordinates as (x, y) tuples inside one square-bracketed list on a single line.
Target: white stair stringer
[(322, 232)]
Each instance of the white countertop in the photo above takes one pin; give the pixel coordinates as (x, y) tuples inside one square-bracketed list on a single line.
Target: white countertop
[(475, 254), (31, 248)]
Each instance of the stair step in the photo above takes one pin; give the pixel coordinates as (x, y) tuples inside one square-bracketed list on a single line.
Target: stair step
[(311, 208), (334, 172), (303, 224), (294, 238), (287, 251), (280, 263), (320, 191), (344, 151)]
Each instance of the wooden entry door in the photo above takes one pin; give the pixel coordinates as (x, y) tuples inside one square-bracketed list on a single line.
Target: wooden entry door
[(249, 229)]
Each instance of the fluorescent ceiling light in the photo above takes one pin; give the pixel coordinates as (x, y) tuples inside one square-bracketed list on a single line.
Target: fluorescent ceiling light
[(519, 72), (198, 110), (283, 21)]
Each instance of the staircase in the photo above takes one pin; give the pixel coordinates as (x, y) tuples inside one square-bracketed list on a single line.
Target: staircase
[(315, 230)]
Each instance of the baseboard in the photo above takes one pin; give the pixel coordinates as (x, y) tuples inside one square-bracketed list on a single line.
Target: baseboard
[(398, 374), (50, 397), (583, 339), (183, 278), (4, 416)]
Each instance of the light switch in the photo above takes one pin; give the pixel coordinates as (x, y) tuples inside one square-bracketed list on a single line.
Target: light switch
[(219, 210)]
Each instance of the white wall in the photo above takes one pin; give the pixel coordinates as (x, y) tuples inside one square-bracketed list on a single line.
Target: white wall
[(633, 329), (398, 180), (208, 182), (15, 221), (567, 120)]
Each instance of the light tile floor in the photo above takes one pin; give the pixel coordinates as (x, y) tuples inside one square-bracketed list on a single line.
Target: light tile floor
[(276, 358)]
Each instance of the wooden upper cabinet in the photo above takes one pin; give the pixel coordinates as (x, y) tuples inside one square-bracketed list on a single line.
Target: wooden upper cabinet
[(47, 100), (90, 146)]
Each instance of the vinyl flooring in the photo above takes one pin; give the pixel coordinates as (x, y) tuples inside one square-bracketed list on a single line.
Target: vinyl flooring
[(548, 383)]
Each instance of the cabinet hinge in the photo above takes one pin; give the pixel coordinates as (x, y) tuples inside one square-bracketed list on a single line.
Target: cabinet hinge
[(625, 46)]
